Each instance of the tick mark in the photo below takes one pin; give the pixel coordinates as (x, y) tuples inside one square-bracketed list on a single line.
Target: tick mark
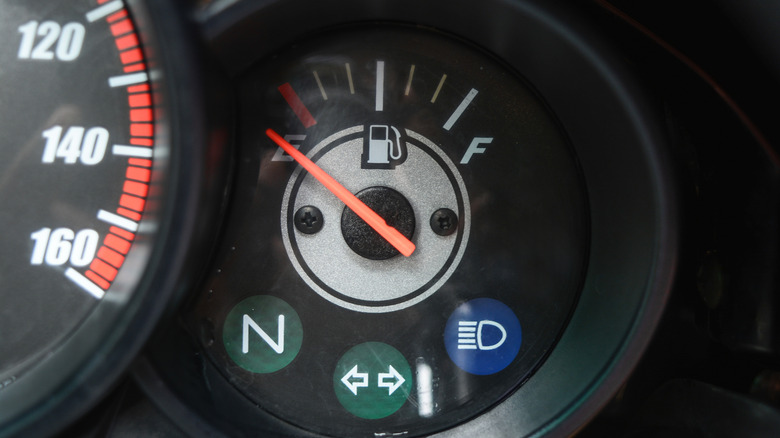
[(438, 88), (409, 81), (460, 109), (319, 84)]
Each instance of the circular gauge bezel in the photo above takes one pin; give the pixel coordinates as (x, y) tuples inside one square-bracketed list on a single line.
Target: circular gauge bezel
[(70, 379), (401, 295), (619, 139)]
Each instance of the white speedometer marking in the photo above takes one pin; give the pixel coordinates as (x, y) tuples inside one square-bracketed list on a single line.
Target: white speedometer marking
[(129, 79), (131, 151), (84, 283), (119, 221), (104, 10)]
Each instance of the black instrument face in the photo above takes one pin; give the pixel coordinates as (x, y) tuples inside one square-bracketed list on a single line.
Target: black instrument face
[(88, 247), (311, 315), (76, 162)]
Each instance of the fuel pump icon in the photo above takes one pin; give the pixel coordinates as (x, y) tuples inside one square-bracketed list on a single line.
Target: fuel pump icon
[(382, 149)]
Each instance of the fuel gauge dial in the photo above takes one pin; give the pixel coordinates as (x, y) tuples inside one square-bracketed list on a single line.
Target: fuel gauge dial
[(339, 273), (447, 302)]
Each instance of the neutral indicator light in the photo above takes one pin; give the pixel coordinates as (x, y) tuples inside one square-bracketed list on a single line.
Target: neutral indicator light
[(276, 345), (262, 334)]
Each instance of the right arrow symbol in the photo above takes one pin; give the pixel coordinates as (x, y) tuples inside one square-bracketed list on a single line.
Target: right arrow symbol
[(393, 374), (360, 382)]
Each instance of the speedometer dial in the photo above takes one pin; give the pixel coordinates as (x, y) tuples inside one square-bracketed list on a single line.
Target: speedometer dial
[(87, 199), (76, 165)]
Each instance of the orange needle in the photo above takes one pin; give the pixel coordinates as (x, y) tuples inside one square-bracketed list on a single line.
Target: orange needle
[(393, 236)]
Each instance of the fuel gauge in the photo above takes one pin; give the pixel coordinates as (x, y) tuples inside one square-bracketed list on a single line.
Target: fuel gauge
[(447, 302)]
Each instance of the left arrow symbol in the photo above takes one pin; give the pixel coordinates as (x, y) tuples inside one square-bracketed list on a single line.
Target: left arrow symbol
[(392, 375), (360, 380)]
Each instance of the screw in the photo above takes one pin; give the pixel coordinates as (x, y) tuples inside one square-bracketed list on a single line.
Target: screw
[(444, 222), (308, 219)]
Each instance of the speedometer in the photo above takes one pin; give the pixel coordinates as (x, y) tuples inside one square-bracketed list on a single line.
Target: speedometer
[(86, 188), (76, 174)]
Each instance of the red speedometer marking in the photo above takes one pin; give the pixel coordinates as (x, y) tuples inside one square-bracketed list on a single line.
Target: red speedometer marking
[(138, 88), (141, 115), (136, 188), (140, 161), (141, 129), (103, 269), (131, 56), (130, 52), (111, 257), (126, 42), (132, 202), (117, 243), (138, 174), (297, 105), (117, 16), (121, 27), (142, 142), (127, 235), (139, 100), (135, 67), (128, 214), (98, 280)]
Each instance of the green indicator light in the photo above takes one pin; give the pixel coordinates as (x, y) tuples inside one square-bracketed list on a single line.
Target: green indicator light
[(262, 334), (372, 380)]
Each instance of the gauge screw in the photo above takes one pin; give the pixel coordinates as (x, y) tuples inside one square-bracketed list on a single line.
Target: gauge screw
[(308, 219), (444, 222)]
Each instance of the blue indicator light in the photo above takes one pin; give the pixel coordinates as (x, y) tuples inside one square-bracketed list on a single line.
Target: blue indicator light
[(483, 336)]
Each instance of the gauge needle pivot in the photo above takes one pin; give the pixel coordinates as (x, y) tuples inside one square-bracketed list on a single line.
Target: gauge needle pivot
[(393, 236)]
